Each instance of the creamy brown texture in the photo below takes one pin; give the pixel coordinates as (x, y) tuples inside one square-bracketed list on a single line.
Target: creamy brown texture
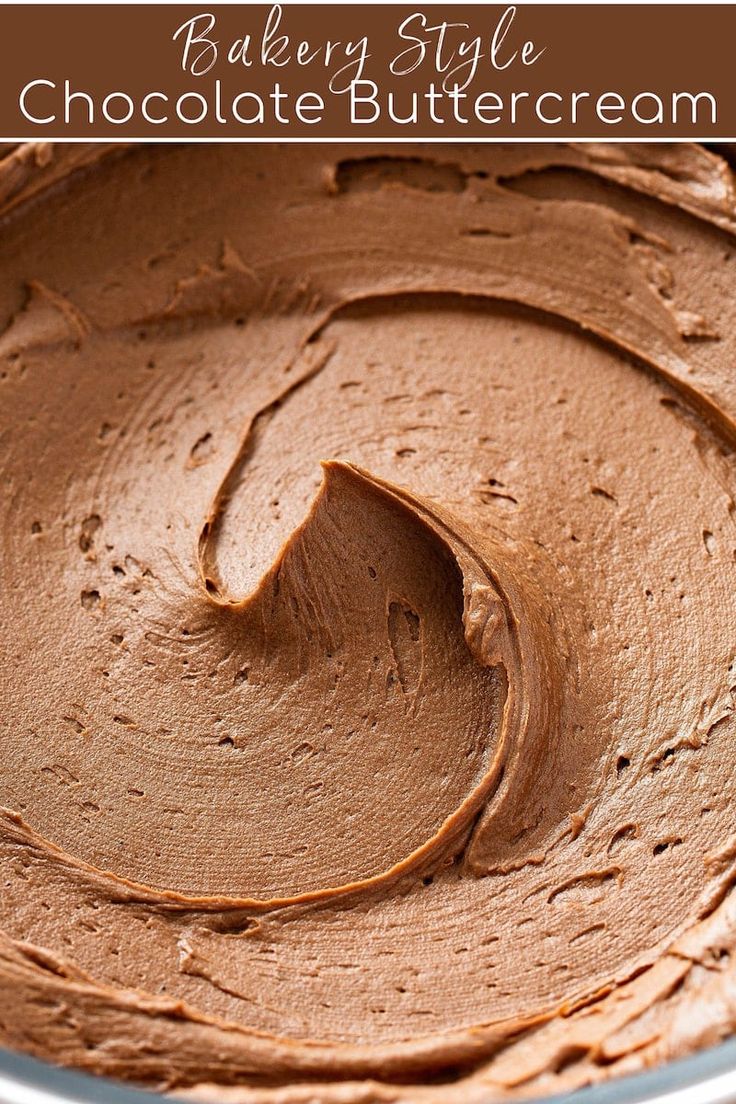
[(368, 619)]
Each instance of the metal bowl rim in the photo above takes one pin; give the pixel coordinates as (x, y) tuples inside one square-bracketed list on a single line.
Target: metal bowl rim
[(708, 1077)]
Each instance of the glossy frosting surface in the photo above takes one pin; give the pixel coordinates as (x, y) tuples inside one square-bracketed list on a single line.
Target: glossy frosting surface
[(368, 649)]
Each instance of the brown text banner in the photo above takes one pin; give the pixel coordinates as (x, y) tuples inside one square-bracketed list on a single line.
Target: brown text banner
[(367, 71)]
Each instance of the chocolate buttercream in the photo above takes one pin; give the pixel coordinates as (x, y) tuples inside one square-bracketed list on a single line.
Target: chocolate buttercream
[(368, 636)]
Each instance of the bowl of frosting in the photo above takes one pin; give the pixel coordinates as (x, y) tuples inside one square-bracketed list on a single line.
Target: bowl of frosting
[(368, 667)]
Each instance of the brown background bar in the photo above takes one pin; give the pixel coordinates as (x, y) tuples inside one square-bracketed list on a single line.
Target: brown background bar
[(593, 49)]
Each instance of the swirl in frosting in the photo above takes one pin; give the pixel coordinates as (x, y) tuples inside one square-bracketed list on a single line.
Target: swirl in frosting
[(368, 635)]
